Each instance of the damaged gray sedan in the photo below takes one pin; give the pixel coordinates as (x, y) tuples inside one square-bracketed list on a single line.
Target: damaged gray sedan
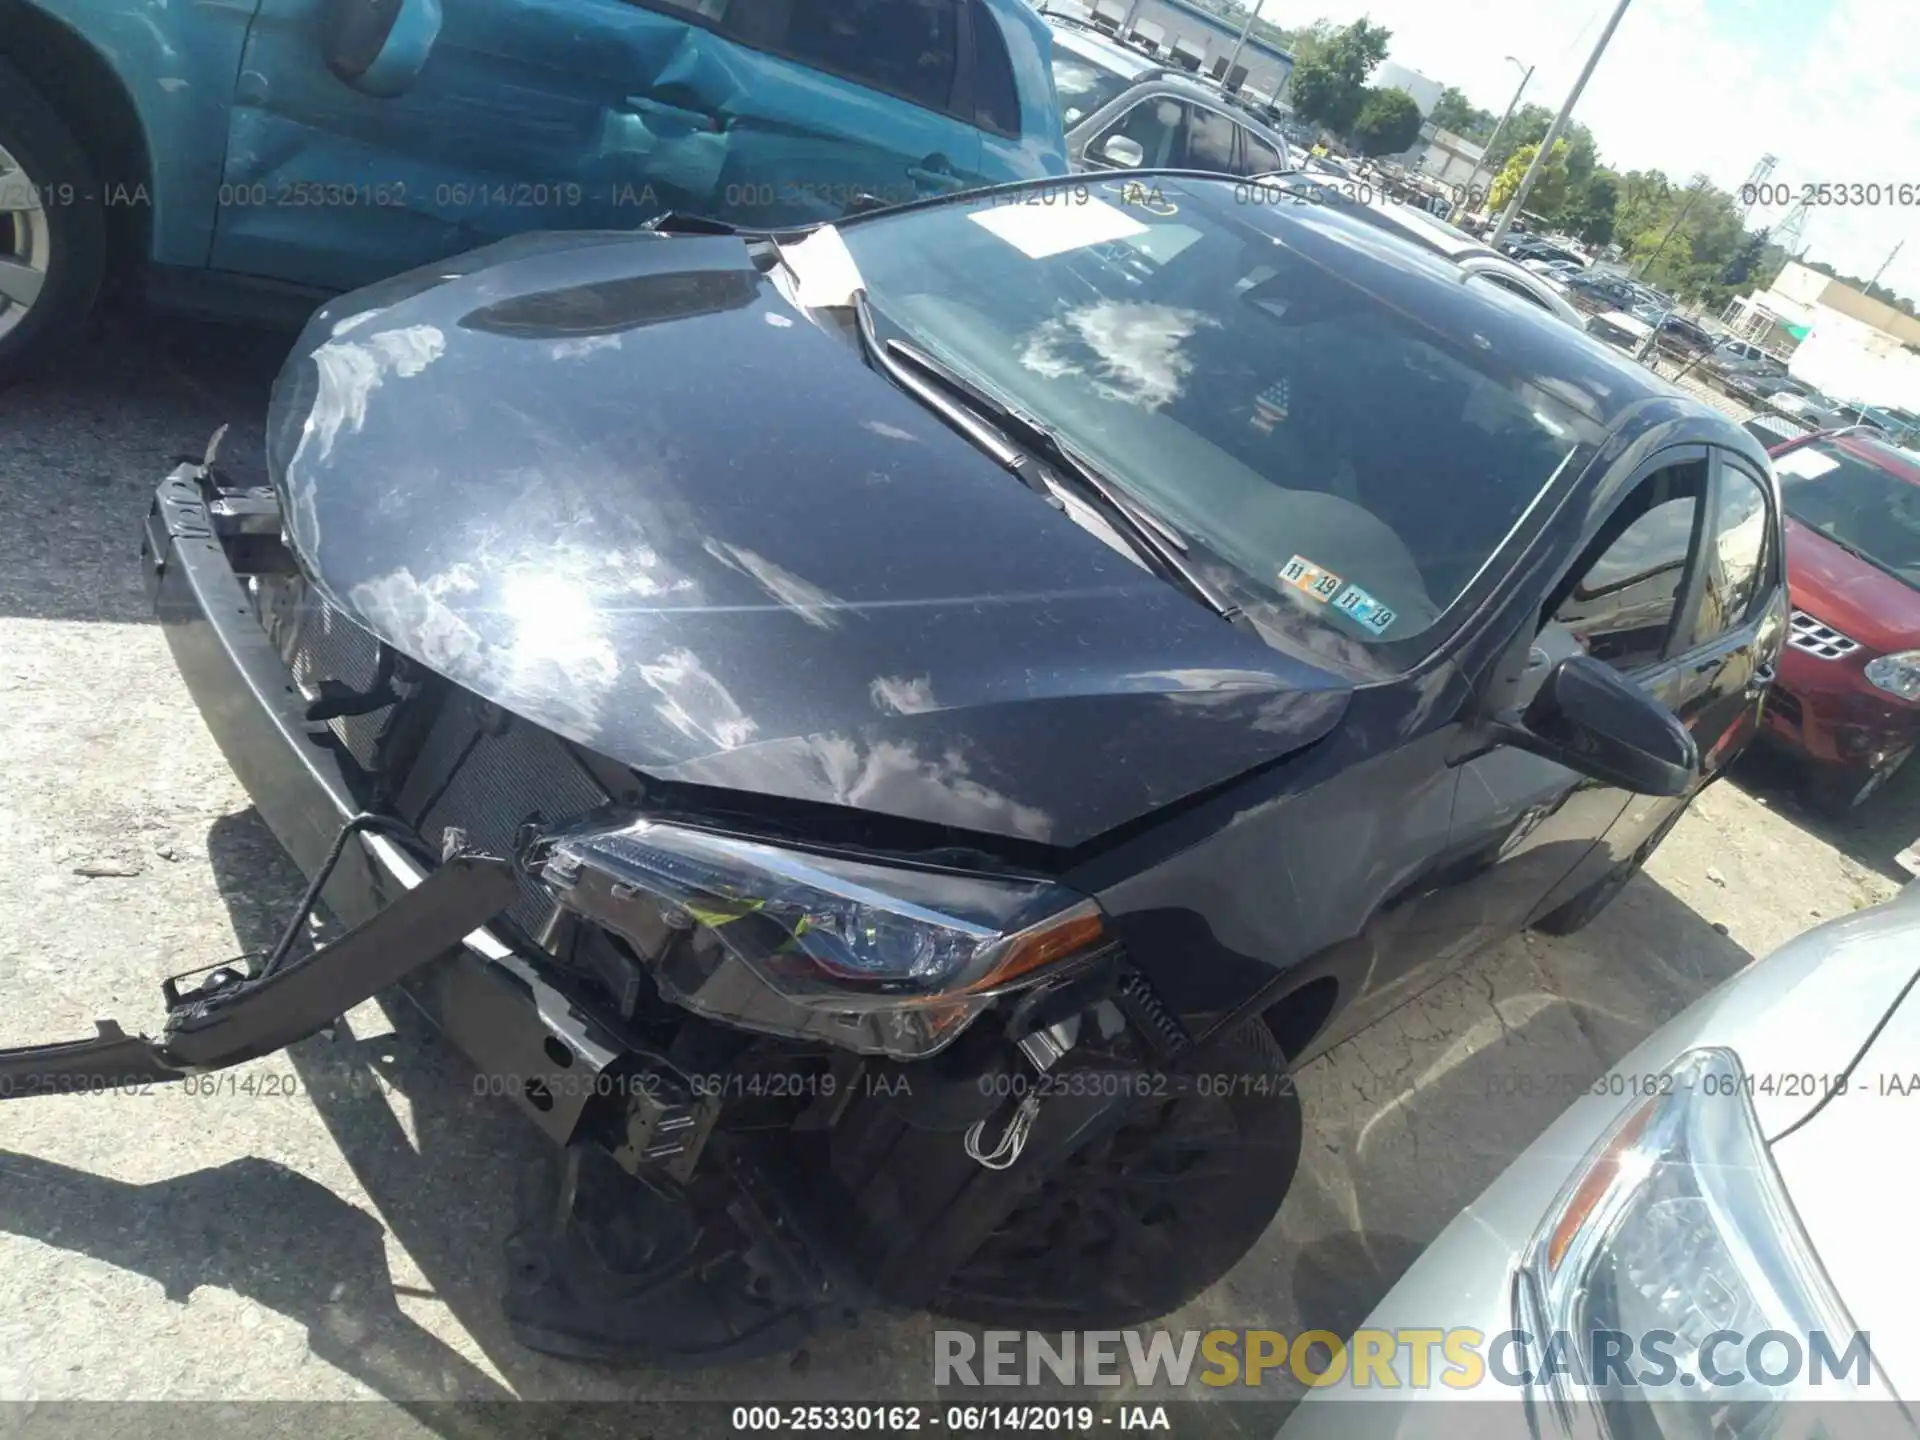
[(888, 742)]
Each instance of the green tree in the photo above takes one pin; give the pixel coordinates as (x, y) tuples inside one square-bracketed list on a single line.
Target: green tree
[(1526, 126), (1591, 206), (1549, 191), (1330, 87), (1307, 42), (1645, 196), (1389, 122), (1453, 111), (1746, 260), (1529, 126)]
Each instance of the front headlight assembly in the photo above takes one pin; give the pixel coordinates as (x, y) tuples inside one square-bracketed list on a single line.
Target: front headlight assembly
[(875, 958), (1897, 674), (1676, 1226)]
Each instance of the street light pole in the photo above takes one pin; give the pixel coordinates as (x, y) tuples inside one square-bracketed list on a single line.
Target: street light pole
[(1559, 124), (1494, 139)]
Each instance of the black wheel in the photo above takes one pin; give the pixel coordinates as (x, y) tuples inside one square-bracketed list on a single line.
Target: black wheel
[(1142, 1218), (1583, 909), (52, 228), (1838, 790)]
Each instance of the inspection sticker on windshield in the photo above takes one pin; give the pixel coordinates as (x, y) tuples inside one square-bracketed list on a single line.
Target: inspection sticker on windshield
[(1805, 464), (1309, 579), (1038, 231), (1364, 609)]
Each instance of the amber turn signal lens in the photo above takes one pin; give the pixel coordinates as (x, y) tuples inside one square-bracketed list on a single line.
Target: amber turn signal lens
[(1065, 934), (1594, 1185)]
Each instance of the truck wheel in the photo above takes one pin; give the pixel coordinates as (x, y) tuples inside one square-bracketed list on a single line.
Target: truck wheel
[(52, 228), (1143, 1217)]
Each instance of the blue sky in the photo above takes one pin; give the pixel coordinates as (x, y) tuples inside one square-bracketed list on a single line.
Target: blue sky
[(1832, 87)]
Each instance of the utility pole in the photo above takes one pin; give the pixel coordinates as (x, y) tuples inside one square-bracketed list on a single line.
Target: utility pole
[(1694, 192), (1883, 268), (1493, 139), (1559, 124), (1253, 14)]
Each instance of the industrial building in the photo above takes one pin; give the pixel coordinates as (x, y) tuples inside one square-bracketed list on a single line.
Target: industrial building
[(1186, 34), (1841, 340)]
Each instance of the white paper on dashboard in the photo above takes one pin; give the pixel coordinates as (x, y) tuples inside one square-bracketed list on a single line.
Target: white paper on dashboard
[(1038, 231), (823, 269), (1804, 464)]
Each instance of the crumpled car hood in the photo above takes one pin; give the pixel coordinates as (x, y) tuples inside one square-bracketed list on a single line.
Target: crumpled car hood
[(618, 486)]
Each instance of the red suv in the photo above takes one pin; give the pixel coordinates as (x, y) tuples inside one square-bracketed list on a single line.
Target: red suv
[(1848, 694)]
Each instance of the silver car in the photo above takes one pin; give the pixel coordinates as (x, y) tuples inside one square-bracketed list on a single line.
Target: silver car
[(1746, 1171)]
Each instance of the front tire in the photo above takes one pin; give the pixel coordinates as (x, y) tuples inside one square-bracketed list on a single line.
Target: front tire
[(1146, 1215), (53, 235)]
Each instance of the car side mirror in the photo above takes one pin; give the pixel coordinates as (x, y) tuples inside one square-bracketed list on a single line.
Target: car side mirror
[(1590, 718), (379, 47), (1123, 151)]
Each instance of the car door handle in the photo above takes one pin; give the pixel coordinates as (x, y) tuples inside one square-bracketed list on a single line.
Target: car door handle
[(925, 175), (662, 110)]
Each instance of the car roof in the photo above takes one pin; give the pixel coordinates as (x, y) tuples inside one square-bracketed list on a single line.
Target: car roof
[(1107, 53), (1419, 226)]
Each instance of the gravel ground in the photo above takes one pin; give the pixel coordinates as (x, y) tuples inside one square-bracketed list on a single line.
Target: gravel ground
[(343, 1242)]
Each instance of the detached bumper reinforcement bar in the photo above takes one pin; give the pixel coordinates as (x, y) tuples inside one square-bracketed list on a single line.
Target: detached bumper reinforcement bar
[(243, 1018)]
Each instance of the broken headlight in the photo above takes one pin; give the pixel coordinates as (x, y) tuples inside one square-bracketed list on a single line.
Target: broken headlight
[(875, 958)]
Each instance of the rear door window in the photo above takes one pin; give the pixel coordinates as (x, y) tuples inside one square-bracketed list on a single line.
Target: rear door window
[(996, 96), (1262, 158), (908, 48), (1209, 141)]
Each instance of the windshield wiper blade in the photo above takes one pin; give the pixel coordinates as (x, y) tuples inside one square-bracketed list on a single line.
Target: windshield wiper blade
[(1025, 440)]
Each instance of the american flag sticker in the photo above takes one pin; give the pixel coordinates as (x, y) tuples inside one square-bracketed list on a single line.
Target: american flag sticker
[(1309, 579), (1270, 406)]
